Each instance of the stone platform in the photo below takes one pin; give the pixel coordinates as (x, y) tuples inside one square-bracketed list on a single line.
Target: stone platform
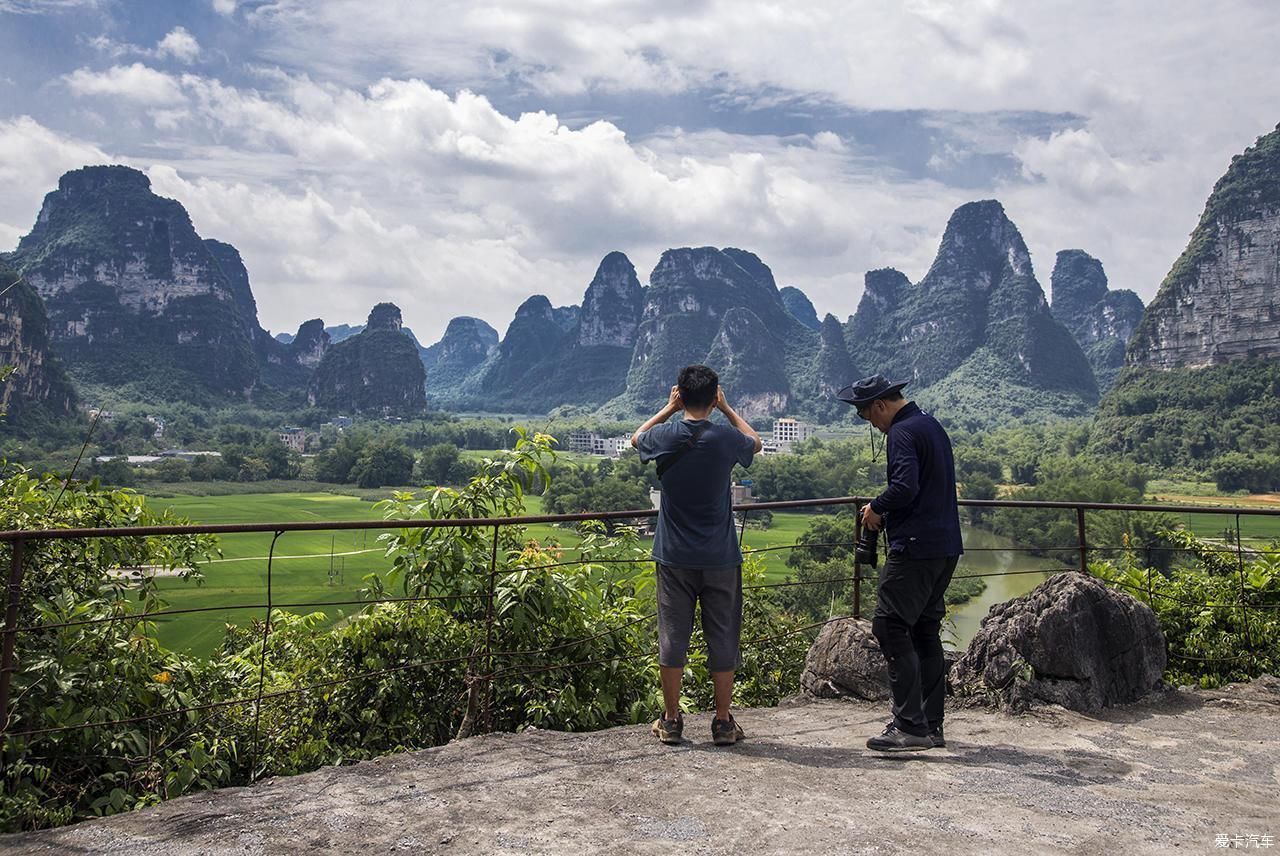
[(1166, 775)]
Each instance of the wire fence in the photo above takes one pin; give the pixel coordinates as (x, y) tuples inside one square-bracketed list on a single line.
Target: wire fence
[(488, 663)]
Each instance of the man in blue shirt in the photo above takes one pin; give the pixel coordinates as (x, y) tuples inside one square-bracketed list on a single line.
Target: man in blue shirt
[(918, 510), (695, 545)]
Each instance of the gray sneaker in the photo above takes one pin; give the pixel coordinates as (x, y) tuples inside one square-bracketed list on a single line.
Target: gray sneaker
[(894, 739), (726, 733), (669, 731), (939, 742)]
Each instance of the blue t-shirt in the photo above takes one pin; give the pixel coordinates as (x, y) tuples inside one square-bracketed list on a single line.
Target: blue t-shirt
[(695, 521)]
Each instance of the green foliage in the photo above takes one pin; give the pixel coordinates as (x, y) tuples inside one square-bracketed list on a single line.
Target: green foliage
[(825, 553), (383, 462), (93, 672), (820, 468), (376, 370), (521, 633), (1186, 419), (442, 464), (1054, 532), (1254, 473), (1211, 639), (575, 489)]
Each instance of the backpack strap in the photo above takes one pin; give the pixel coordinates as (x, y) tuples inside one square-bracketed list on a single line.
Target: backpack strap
[(670, 460)]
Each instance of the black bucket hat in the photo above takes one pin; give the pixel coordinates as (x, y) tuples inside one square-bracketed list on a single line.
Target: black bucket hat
[(863, 392)]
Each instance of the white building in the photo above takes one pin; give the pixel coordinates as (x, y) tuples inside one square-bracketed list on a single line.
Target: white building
[(293, 438), (581, 440), (788, 431), (611, 446)]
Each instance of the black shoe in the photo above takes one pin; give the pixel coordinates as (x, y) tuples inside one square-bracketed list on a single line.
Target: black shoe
[(939, 742), (894, 739), (726, 733), (669, 731)]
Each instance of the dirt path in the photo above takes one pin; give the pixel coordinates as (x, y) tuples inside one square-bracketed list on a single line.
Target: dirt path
[(1160, 777)]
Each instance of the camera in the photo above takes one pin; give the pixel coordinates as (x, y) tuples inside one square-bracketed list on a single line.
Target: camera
[(864, 551)]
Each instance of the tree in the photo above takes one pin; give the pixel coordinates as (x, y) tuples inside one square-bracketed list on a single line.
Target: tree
[(383, 462), (978, 486), (335, 465), (439, 464)]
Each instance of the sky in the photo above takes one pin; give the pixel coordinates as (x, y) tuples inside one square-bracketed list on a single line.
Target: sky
[(456, 157)]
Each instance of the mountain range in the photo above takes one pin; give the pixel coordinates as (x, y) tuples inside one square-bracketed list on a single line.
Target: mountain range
[(136, 302)]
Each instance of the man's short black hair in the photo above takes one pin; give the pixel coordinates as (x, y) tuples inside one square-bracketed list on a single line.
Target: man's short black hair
[(698, 386)]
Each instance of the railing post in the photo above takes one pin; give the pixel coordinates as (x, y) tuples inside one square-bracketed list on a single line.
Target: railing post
[(1244, 609), (1084, 544), (487, 714), (857, 566), (262, 663), (14, 591)]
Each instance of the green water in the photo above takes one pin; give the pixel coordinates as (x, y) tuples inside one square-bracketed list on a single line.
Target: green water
[(986, 553)]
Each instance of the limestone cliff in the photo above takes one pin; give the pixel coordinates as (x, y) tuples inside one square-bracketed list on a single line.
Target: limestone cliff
[(975, 336), (467, 342), (1101, 320), (750, 362), (799, 306), (133, 295), (376, 370), (1220, 303), (691, 292), (38, 382)]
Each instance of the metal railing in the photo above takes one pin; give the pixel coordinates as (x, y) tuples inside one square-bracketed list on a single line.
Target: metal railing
[(483, 664)]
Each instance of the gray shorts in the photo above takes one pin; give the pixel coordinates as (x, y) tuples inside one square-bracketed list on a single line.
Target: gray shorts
[(720, 593)]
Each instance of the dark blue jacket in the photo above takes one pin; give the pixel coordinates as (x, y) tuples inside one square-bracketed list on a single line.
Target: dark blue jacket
[(919, 504)]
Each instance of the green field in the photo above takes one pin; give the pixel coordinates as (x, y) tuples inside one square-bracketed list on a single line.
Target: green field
[(1255, 531), (304, 571)]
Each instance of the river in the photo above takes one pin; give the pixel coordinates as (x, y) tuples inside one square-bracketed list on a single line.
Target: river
[(986, 553)]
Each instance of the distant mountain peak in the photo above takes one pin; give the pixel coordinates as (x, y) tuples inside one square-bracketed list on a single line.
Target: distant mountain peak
[(384, 316), (799, 306)]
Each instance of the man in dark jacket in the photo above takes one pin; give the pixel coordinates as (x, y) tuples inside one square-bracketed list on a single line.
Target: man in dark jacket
[(919, 513)]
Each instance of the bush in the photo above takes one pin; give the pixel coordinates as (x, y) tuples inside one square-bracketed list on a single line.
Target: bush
[(1211, 640)]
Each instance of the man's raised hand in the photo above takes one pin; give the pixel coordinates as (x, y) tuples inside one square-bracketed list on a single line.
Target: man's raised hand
[(675, 403), (722, 404)]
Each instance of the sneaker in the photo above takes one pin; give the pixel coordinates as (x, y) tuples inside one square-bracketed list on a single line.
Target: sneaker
[(726, 733), (939, 742), (669, 731), (894, 739)]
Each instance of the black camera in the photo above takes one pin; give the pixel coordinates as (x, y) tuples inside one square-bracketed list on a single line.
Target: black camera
[(864, 551)]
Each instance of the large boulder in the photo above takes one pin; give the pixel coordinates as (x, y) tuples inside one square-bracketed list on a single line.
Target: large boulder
[(1070, 641), (845, 660)]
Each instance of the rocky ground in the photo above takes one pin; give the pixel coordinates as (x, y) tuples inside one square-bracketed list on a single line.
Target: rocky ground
[(1170, 774)]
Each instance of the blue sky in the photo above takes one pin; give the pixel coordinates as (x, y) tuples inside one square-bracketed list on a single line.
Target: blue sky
[(455, 157)]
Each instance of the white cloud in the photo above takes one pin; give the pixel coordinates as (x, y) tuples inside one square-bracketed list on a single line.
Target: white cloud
[(32, 157), (180, 45), (44, 7), (1077, 162), (137, 82), (396, 176), (447, 206)]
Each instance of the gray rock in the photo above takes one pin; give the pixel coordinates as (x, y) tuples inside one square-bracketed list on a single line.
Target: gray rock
[(845, 660), (1070, 641)]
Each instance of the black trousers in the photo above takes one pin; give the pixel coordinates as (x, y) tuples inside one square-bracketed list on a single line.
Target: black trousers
[(908, 626)]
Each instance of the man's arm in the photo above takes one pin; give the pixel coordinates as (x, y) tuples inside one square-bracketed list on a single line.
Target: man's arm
[(904, 482), (735, 420), (672, 407)]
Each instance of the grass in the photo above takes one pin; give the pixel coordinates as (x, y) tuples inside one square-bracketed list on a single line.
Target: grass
[(303, 571)]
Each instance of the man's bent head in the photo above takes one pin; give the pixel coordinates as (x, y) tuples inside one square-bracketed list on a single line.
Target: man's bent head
[(698, 386)]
